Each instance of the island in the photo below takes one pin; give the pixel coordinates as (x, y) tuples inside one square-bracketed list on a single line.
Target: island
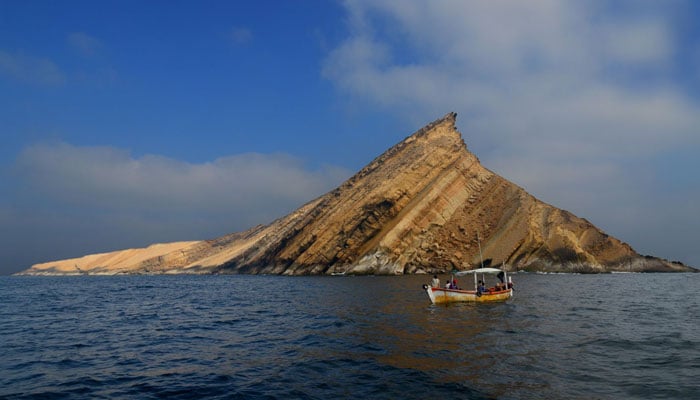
[(426, 205)]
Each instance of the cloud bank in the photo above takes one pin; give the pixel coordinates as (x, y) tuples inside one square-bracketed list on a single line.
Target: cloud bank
[(575, 101), (74, 200), (111, 178)]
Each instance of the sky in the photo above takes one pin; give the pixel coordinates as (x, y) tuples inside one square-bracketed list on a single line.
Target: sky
[(126, 123)]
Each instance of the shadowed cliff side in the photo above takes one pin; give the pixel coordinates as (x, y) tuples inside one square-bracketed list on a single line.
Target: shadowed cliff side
[(417, 208)]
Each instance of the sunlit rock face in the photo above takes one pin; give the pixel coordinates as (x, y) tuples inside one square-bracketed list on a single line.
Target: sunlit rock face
[(417, 208)]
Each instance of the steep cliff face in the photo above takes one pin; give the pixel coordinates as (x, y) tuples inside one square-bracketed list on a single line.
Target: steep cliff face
[(417, 208)]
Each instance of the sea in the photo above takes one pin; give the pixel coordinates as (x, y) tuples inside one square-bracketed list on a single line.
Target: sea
[(609, 336)]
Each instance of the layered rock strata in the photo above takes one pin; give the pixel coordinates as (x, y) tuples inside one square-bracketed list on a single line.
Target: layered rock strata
[(426, 205)]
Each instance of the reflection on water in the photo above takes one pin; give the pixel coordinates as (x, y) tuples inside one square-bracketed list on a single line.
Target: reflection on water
[(561, 335), (466, 343)]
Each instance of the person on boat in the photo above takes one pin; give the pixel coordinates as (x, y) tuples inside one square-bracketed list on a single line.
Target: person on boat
[(501, 276), (435, 282), (454, 284), (481, 288)]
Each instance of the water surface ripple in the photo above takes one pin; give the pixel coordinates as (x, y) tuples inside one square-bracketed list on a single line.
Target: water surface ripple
[(267, 337)]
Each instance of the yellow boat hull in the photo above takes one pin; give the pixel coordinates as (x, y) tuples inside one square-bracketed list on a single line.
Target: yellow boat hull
[(443, 296)]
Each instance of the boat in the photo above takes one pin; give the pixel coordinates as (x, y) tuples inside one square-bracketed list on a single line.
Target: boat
[(501, 291)]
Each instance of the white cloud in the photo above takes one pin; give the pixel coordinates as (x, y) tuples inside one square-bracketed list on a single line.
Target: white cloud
[(554, 95), (28, 69), (238, 191), (84, 44), (645, 42)]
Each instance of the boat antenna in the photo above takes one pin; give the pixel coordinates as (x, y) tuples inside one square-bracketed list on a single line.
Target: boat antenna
[(478, 241)]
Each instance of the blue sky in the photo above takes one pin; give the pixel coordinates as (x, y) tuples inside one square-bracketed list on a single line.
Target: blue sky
[(128, 123)]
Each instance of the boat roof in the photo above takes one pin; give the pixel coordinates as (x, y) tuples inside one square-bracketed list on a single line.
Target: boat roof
[(479, 271)]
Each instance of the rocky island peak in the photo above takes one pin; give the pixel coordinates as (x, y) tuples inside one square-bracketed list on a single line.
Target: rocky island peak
[(426, 205)]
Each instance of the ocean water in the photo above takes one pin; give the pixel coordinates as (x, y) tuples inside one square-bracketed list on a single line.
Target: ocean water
[(268, 337)]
